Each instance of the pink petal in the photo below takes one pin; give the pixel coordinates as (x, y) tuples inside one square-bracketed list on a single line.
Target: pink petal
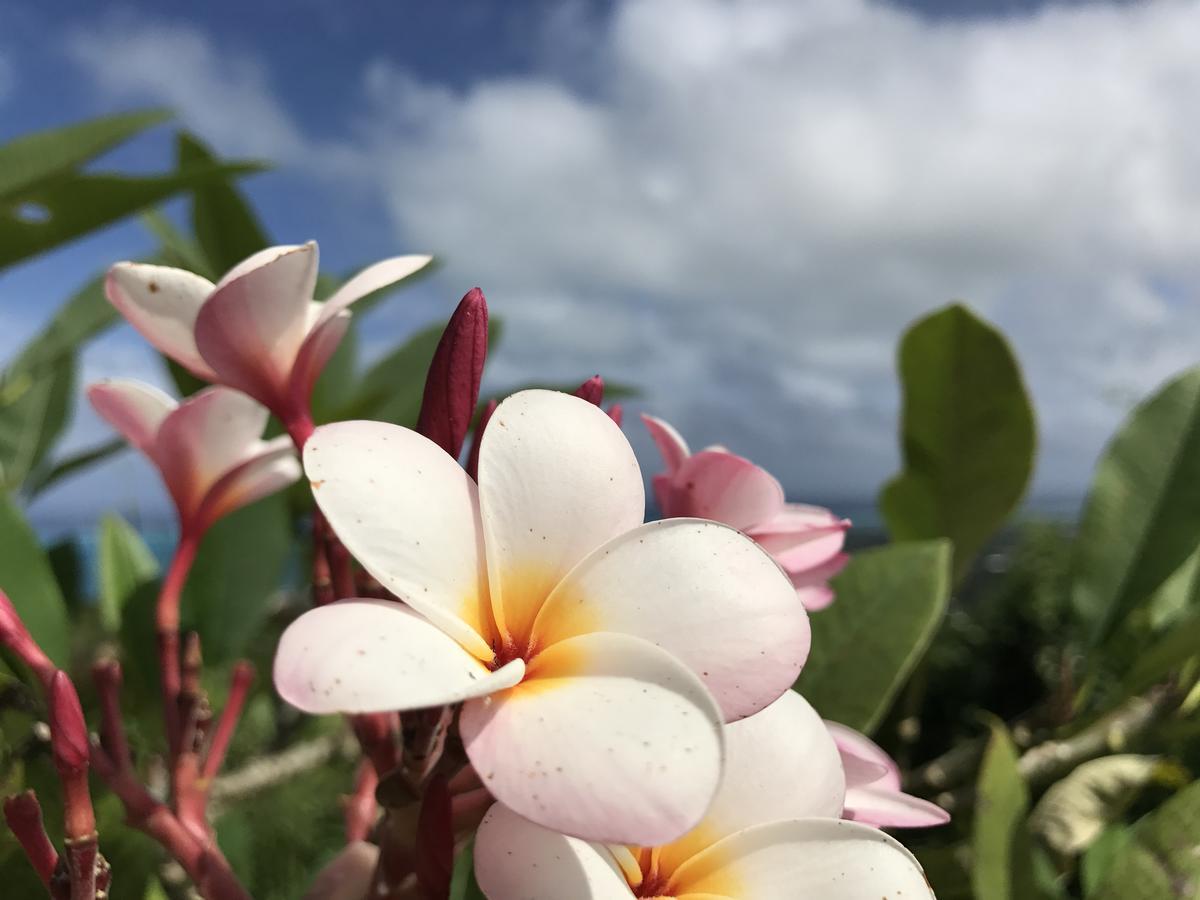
[(369, 280), (162, 304), (318, 347), (135, 409), (518, 860), (361, 656), (885, 808), (703, 592), (557, 479), (779, 764), (409, 514), (818, 858), (250, 329), (608, 738), (347, 876), (271, 466), (670, 443), (851, 743), (726, 488)]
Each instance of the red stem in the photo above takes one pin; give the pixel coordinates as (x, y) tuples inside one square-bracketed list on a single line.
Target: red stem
[(24, 816), (166, 616), (239, 688)]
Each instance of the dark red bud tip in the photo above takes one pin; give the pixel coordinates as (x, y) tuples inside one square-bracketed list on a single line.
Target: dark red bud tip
[(68, 730), (452, 387), (592, 390), (617, 413), (16, 637)]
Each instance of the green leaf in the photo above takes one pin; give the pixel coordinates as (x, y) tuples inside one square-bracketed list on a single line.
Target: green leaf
[(178, 250), (35, 157), (84, 316), (34, 409), (26, 577), (47, 476), (126, 564), (73, 204), (225, 225), (967, 434), (462, 881), (239, 568), (1180, 643), (1098, 860), (889, 603), (1004, 866), (1160, 862), (1142, 516)]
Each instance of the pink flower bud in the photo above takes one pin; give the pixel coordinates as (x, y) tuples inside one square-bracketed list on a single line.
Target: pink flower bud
[(68, 730), (591, 390), (16, 637), (452, 387)]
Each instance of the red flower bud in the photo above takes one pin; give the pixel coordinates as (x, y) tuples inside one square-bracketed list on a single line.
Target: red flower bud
[(452, 387), (16, 637), (616, 413), (592, 390), (24, 816), (68, 730)]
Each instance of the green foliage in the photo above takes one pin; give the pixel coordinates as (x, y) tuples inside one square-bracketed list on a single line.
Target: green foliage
[(889, 603), (26, 576), (126, 564), (967, 434), (1159, 861), (462, 882), (1142, 518)]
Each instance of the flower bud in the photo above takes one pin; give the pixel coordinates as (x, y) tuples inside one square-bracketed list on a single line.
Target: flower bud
[(68, 730), (452, 386), (16, 637), (591, 390)]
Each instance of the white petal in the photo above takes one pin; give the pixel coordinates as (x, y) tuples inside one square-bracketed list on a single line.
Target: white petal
[(360, 656), (703, 592), (259, 259), (250, 329), (779, 764), (518, 860), (269, 467), (409, 514), (347, 876), (608, 738), (369, 280), (162, 304), (825, 858), (557, 479), (135, 409), (670, 443)]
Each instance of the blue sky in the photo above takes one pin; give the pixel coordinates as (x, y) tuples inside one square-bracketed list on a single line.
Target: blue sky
[(737, 206)]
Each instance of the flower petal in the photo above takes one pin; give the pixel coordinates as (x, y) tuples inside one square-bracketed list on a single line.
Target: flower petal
[(703, 592), (727, 488), (250, 329), (162, 304), (826, 858), (779, 764), (314, 354), (134, 408), (670, 443), (271, 466), (557, 479), (885, 808), (360, 656), (807, 545), (608, 738), (851, 743), (409, 514), (518, 860), (347, 876), (369, 280)]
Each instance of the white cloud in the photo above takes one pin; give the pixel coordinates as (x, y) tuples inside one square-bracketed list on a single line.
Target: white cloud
[(741, 205)]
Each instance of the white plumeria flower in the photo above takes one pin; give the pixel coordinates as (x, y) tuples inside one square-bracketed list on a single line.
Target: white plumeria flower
[(772, 833), (597, 657), (208, 448), (258, 329)]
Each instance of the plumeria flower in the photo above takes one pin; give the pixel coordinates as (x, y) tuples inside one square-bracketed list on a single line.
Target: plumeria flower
[(716, 484), (873, 794), (207, 448), (773, 833), (258, 329), (596, 657)]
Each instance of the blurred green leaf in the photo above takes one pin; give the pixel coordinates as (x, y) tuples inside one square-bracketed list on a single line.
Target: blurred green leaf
[(1003, 860), (1098, 860), (1176, 646), (126, 564), (34, 409), (178, 249), (225, 225), (47, 475), (238, 570), (32, 158), (889, 603), (967, 434), (86, 314), (26, 576), (1162, 860), (462, 882), (1142, 517)]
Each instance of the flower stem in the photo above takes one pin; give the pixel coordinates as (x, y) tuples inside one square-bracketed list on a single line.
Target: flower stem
[(167, 626)]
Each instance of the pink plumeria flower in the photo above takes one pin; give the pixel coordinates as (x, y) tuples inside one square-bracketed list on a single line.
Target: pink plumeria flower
[(258, 329), (716, 484), (873, 794), (208, 448), (772, 833), (596, 657)]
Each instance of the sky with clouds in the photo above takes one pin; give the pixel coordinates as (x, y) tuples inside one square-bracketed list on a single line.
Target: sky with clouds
[(738, 206)]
